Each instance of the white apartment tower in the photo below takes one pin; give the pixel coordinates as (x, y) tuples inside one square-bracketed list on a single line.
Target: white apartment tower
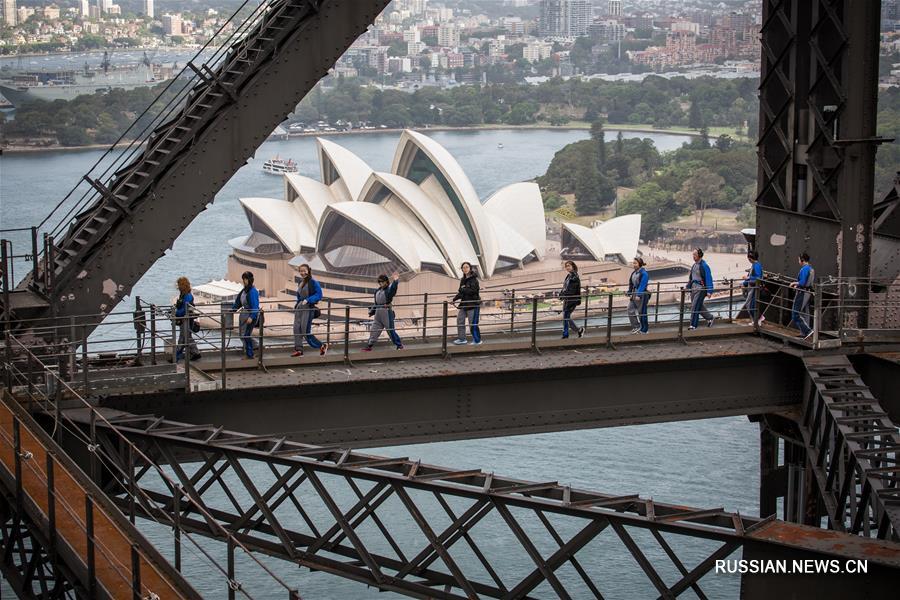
[(565, 18), (84, 9), (614, 8), (148, 8), (8, 18)]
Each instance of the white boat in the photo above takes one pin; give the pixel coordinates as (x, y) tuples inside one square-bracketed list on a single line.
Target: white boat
[(277, 166), (500, 146)]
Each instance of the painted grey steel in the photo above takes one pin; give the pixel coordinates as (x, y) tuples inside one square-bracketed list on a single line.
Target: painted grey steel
[(358, 535), (817, 142), (150, 202), (486, 396)]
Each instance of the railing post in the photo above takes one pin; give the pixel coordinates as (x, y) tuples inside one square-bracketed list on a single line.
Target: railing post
[(328, 322), (185, 331), (135, 574), (347, 335), (262, 337), (222, 343), (817, 314), (512, 313), (92, 449), (84, 360), (132, 486), (681, 318), (46, 273), (587, 301), (444, 352), (730, 300), (176, 524), (51, 507), (534, 303), (152, 334), (34, 252), (4, 272), (51, 261), (89, 534), (174, 323), (425, 316), (656, 308), (7, 373), (138, 341), (17, 449), (232, 584), (609, 313), (755, 289)]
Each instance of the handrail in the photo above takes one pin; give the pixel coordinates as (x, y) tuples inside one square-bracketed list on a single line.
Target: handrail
[(95, 450)]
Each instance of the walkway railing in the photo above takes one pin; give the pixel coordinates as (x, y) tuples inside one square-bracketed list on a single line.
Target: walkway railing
[(116, 459)]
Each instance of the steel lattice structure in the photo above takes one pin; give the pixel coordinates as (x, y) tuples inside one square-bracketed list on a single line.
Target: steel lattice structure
[(362, 500)]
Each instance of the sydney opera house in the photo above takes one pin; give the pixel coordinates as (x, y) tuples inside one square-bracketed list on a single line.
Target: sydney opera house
[(422, 219)]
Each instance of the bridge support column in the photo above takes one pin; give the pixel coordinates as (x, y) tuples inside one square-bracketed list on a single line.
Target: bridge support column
[(769, 472)]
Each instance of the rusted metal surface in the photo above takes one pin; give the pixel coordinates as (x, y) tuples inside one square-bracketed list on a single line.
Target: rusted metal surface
[(88, 530), (828, 541)]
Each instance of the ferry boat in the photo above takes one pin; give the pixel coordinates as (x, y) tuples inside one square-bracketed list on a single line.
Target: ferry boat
[(278, 166)]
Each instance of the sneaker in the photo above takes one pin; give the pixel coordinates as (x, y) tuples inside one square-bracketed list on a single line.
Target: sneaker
[(691, 328), (710, 322), (581, 332), (248, 357), (367, 349), (761, 320), (643, 332), (478, 343), (400, 347), (565, 337), (323, 349), (460, 342), (296, 353), (635, 330)]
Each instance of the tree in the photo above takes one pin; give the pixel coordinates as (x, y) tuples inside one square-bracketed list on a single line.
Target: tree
[(699, 190), (599, 137), (655, 205), (593, 191), (695, 117), (724, 143), (747, 215)]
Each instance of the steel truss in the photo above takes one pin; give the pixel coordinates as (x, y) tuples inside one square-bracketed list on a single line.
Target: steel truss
[(32, 570), (353, 515), (853, 451)]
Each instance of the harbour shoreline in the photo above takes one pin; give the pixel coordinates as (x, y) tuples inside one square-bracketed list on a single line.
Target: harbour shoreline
[(20, 149)]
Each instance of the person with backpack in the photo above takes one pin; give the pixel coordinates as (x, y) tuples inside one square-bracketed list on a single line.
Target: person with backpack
[(700, 284), (638, 297), (247, 302), (752, 282), (309, 292), (382, 312), (803, 285), (571, 297), (186, 324), (469, 306)]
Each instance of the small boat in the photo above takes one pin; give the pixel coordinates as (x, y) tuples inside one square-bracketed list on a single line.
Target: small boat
[(500, 146), (277, 166)]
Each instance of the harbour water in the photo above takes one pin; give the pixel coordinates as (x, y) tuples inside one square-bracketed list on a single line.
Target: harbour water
[(705, 463)]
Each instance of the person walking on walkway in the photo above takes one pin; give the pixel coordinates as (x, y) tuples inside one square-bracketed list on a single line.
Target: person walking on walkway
[(571, 297), (800, 310), (469, 306), (382, 312), (700, 285), (752, 282), (184, 321), (309, 292), (639, 297), (248, 304)]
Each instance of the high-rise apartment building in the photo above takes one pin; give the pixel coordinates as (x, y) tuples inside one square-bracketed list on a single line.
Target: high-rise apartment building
[(565, 18), (148, 8), (8, 17), (448, 36), (614, 8)]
